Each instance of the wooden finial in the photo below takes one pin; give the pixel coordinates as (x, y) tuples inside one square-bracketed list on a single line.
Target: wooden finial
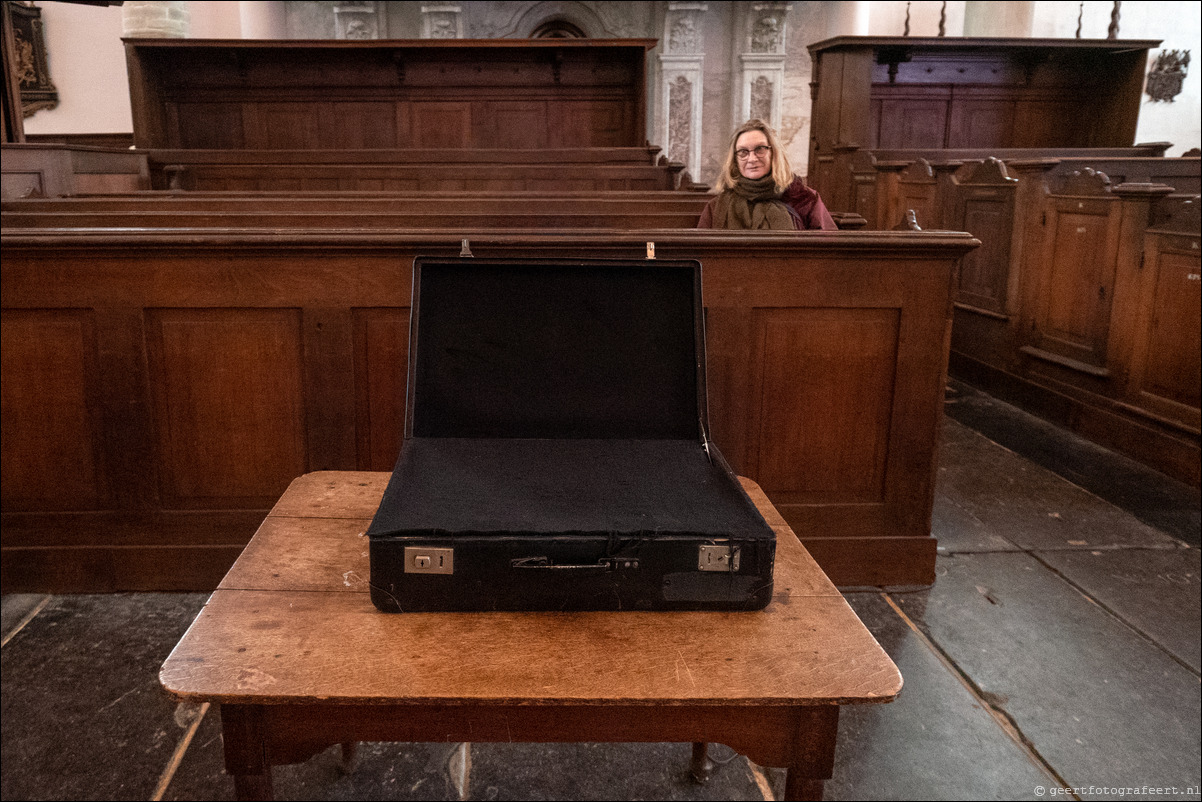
[(1113, 31), (943, 19), (1080, 14), (906, 31)]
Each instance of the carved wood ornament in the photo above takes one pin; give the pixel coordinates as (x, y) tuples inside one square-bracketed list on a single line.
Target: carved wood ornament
[(1167, 75), (29, 44)]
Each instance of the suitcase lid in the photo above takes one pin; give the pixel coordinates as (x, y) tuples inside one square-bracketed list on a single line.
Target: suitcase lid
[(571, 348)]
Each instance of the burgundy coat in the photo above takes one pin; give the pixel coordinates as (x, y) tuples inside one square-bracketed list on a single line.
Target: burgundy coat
[(805, 205)]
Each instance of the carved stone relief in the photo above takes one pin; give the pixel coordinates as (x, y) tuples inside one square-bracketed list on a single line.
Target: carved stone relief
[(761, 99), (361, 20), (766, 35), (683, 36), (680, 119), (766, 32), (442, 22), (602, 20)]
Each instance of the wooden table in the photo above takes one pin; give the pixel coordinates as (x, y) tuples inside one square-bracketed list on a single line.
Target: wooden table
[(291, 648)]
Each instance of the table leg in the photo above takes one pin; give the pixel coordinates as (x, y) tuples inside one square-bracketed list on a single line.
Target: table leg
[(246, 751), (701, 766), (350, 757), (802, 788), (814, 753), (254, 786)]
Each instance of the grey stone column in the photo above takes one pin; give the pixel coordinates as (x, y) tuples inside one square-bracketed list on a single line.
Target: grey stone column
[(679, 113), (762, 62), (155, 19)]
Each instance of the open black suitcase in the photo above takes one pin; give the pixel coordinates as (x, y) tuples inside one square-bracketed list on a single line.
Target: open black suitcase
[(556, 452)]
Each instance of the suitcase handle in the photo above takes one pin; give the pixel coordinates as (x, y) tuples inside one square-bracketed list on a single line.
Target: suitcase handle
[(604, 564)]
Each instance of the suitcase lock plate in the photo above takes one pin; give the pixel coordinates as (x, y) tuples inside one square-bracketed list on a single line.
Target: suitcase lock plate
[(718, 558)]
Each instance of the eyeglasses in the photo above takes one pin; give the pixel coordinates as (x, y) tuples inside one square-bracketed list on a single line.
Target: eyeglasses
[(760, 151)]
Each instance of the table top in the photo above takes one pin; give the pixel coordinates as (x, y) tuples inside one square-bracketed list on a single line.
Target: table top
[(293, 622)]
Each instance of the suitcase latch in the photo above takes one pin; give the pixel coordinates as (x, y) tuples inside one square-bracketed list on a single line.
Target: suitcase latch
[(718, 558), (425, 560)]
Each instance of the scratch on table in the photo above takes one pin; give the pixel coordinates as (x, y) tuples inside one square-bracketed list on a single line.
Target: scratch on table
[(683, 663), (349, 576)]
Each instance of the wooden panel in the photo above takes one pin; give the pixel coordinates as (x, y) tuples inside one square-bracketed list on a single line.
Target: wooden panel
[(381, 367), (210, 125), (228, 401), (289, 126), (984, 203), (823, 383), (1044, 124), (980, 124), (360, 125), (1079, 265), (599, 123), (913, 123), (117, 569), (875, 561), (518, 124), (329, 387), (22, 184), (440, 125), (1169, 362), (49, 457), (985, 273)]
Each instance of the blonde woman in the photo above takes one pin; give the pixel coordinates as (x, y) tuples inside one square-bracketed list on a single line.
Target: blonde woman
[(757, 188)]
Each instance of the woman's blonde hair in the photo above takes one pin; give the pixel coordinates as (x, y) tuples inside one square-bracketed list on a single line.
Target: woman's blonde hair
[(782, 171)]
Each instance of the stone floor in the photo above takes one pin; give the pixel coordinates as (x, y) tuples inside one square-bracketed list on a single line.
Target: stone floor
[(1059, 648)]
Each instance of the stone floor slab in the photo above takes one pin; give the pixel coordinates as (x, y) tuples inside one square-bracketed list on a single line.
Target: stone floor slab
[(958, 530), (1103, 706), (15, 607), (934, 742), (1029, 505), (1159, 501), (84, 715), (1140, 586)]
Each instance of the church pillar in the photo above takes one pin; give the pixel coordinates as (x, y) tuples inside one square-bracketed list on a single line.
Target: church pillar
[(155, 19), (680, 83), (998, 19), (263, 20), (762, 62), (847, 18)]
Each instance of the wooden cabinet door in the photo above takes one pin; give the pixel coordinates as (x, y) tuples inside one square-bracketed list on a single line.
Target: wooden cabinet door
[(1166, 365), (1076, 277)]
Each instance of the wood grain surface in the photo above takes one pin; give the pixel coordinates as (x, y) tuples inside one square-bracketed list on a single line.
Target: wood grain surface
[(293, 622)]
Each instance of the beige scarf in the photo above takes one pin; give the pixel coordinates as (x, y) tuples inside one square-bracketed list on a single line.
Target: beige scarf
[(752, 204)]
